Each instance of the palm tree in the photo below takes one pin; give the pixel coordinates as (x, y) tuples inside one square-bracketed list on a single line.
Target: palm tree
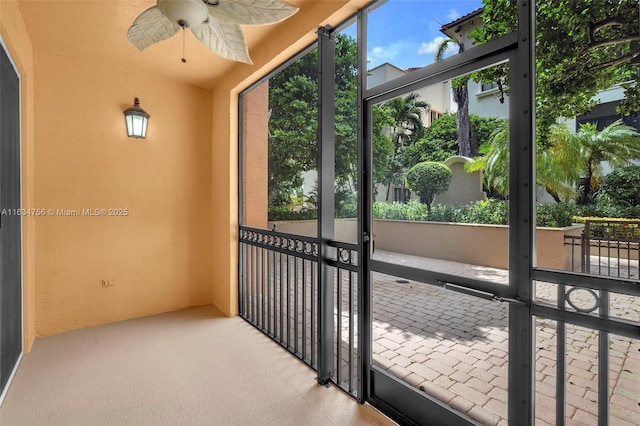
[(467, 141), (406, 113), (586, 150), (494, 163), (572, 159)]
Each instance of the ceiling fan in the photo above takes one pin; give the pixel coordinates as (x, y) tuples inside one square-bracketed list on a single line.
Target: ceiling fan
[(216, 23)]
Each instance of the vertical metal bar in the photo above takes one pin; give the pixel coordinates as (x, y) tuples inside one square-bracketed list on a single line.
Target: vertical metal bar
[(242, 260), (314, 323), (326, 189), (587, 256), (618, 256), (637, 244), (240, 276), (365, 187), (281, 301), (522, 220), (561, 361), (296, 320), (262, 266), (351, 337), (603, 364), (304, 309), (339, 328), (599, 256), (268, 324), (254, 285), (288, 303)]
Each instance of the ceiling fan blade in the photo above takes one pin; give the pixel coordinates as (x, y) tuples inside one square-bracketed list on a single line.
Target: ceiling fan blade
[(151, 27), (251, 12), (224, 39)]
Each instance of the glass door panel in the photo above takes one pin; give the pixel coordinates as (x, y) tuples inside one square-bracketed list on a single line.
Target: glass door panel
[(440, 254)]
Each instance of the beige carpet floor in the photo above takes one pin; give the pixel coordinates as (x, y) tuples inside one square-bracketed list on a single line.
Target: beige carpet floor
[(190, 367)]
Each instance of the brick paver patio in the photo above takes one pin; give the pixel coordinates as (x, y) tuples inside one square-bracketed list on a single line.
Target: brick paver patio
[(454, 347)]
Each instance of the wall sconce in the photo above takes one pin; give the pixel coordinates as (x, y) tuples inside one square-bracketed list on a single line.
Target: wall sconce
[(137, 120)]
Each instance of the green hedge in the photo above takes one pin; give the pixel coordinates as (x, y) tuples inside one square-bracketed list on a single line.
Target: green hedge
[(490, 212)]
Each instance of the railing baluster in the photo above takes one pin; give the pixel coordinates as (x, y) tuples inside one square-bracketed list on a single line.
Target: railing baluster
[(281, 301), (268, 325), (313, 313), (351, 331), (262, 265), (295, 308), (339, 327), (254, 284), (304, 309), (288, 303)]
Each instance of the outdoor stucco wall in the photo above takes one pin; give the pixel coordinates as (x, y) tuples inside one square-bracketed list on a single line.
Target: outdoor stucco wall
[(14, 34), (465, 187), (158, 254), (344, 229), (483, 245)]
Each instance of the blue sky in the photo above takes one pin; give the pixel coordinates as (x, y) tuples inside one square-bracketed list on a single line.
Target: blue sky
[(406, 32)]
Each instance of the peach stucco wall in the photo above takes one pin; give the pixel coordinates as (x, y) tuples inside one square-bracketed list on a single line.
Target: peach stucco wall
[(14, 33), (159, 254), (256, 157)]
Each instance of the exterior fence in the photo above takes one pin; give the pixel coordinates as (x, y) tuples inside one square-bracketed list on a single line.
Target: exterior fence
[(608, 248)]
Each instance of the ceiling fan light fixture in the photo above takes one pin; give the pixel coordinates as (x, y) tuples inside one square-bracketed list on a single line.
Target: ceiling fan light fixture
[(215, 23), (185, 13)]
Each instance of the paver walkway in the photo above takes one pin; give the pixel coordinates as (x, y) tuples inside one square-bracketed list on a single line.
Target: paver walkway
[(454, 347)]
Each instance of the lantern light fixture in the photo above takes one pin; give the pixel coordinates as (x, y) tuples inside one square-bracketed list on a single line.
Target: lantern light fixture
[(137, 120)]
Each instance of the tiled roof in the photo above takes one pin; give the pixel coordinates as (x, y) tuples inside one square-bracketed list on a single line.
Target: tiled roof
[(462, 19)]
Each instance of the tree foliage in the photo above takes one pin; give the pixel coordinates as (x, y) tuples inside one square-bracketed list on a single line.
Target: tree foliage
[(293, 124), (440, 140), (406, 113), (621, 188), (467, 139), (428, 179), (582, 47), (293, 127), (572, 163), (582, 153)]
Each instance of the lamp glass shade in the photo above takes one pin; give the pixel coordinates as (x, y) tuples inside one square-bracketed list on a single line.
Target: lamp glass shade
[(137, 120)]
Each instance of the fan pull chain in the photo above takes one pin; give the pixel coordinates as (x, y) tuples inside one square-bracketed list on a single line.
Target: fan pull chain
[(184, 60)]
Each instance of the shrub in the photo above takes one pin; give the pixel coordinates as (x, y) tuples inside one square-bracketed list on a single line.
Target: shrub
[(413, 210), (491, 212), (603, 209), (621, 188), (285, 213), (555, 215), (428, 179)]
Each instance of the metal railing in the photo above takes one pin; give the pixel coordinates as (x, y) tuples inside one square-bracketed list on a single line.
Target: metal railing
[(278, 288), (607, 248), (278, 294)]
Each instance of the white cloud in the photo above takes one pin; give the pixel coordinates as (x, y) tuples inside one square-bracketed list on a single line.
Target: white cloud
[(453, 15), (387, 53), (431, 47)]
